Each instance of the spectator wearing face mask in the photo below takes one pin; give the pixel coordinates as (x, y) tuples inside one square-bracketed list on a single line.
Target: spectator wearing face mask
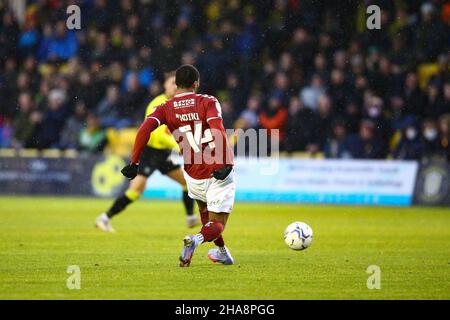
[(430, 138), (410, 146), (374, 111)]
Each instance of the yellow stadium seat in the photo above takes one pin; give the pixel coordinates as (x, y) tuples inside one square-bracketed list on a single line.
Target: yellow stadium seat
[(301, 155), (120, 142), (425, 72)]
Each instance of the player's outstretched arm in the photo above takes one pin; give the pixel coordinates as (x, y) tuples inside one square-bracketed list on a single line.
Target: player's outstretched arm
[(142, 137)]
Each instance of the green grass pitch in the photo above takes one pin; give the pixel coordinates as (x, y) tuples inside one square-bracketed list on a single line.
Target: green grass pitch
[(41, 237)]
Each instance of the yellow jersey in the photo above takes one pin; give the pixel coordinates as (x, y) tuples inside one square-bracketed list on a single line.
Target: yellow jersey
[(161, 138)]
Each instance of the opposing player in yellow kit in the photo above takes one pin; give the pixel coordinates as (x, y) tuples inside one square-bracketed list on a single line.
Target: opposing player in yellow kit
[(156, 156)]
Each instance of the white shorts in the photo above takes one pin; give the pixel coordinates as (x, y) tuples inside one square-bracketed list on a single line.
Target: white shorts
[(217, 194)]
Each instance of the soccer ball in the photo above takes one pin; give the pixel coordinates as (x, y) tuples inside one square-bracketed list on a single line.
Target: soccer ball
[(298, 236)]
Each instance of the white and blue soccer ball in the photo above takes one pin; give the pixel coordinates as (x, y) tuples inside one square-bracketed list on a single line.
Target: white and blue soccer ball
[(298, 236)]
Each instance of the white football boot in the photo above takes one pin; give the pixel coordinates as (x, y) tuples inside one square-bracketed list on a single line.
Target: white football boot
[(103, 223), (221, 255)]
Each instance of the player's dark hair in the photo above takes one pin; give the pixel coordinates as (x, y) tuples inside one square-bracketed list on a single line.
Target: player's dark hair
[(186, 75)]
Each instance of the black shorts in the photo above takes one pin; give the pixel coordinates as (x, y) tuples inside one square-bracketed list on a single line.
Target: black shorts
[(155, 159)]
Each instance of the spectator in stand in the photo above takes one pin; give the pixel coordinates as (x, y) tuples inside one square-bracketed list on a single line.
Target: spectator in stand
[(281, 85), (133, 105), (275, 47), (9, 34), (144, 73), (249, 117), (397, 111), (321, 66), (274, 116), (366, 145), (410, 146), (248, 121), (212, 64), (352, 116), (447, 97), (374, 110), (53, 121), (311, 93), (92, 137), (23, 127), (227, 114), (73, 127), (338, 89), (444, 136), (300, 126), (435, 101), (337, 146), (83, 89), (443, 72), (108, 110), (29, 38), (322, 124), (430, 138), (235, 92), (431, 35), (414, 97), (62, 45)]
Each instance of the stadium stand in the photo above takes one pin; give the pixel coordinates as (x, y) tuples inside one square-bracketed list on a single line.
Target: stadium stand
[(331, 86)]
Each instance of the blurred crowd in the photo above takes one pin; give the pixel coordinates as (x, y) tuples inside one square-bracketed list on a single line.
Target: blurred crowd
[(309, 68)]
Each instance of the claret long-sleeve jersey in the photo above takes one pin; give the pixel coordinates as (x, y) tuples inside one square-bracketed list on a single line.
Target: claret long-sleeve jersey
[(195, 121)]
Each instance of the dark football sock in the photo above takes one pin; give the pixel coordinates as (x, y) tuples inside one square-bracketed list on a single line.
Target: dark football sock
[(219, 242), (119, 205), (188, 204)]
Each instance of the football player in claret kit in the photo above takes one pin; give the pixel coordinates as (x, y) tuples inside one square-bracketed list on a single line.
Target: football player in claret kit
[(155, 156), (195, 121)]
